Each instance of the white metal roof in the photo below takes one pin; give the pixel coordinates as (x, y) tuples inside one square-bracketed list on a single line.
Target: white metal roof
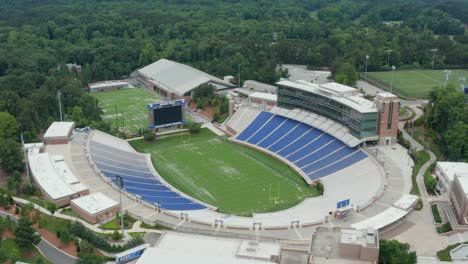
[(264, 96), (55, 178), (59, 130), (259, 86), (335, 92), (177, 77), (381, 220), (451, 168), (463, 179), (95, 203), (338, 88), (179, 248), (108, 84), (406, 201)]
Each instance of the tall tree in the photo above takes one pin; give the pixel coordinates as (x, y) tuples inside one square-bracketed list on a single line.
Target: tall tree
[(394, 252), (25, 235), (11, 156), (8, 126)]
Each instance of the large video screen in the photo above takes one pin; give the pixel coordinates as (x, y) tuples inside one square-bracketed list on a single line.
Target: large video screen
[(167, 115)]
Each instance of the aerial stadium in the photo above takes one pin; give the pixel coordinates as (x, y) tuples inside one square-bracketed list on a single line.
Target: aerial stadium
[(323, 154)]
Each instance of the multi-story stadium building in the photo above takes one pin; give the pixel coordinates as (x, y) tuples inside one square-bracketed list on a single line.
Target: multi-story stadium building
[(345, 105)]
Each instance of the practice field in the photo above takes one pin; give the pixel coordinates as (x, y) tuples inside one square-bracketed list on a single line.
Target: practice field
[(234, 178), (417, 83), (126, 109)]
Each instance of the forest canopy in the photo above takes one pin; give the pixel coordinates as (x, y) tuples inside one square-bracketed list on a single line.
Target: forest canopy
[(111, 38)]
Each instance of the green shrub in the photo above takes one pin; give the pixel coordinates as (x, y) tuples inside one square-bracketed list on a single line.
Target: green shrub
[(436, 213), (149, 137), (100, 242), (116, 235), (444, 228)]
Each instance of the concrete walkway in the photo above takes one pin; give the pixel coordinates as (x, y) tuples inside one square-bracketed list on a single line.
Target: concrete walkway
[(48, 250), (422, 236), (95, 228)]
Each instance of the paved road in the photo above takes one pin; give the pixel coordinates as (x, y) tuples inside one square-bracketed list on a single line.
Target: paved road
[(52, 253)]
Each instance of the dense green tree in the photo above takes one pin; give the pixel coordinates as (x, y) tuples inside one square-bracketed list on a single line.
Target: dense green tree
[(11, 155), (456, 139), (394, 252), (8, 126), (90, 259), (25, 235), (51, 207)]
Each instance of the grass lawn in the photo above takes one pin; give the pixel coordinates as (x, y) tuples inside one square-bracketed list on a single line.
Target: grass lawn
[(234, 178), (10, 250), (419, 158), (126, 108), (436, 213), (444, 254), (114, 224), (415, 83), (422, 135)]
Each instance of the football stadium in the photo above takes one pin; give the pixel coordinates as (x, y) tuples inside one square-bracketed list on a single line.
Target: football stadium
[(322, 155)]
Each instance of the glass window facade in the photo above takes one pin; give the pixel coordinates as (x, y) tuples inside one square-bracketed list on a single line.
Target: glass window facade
[(361, 125)]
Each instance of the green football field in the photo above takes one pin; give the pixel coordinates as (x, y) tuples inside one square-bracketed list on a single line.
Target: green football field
[(126, 109), (415, 83), (234, 178)]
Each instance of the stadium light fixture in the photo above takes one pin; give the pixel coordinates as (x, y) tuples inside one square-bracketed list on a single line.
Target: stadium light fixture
[(388, 56), (393, 75), (120, 183), (59, 94), (365, 73), (446, 77), (239, 71), (433, 56)]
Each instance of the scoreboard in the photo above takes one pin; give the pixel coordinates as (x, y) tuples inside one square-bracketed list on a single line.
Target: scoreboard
[(166, 114)]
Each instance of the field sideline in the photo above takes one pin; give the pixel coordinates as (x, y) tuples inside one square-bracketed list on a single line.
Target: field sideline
[(126, 109), (415, 83), (231, 177)]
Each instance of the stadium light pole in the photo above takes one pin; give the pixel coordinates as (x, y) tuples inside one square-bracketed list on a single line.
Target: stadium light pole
[(433, 56), (365, 73), (393, 75), (59, 94), (239, 69), (388, 56), (120, 184), (446, 77), (25, 152)]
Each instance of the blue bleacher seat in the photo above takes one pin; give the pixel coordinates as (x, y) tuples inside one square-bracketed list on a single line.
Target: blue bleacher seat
[(313, 145), (290, 137), (346, 162), (255, 125), (318, 153), (281, 131), (137, 177), (267, 129), (314, 151), (301, 141)]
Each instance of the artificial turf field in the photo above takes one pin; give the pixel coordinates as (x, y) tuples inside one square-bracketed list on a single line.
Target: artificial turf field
[(232, 177), (416, 83), (126, 109)]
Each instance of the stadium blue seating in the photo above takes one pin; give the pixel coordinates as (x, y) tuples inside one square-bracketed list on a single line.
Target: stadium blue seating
[(255, 125), (281, 131), (317, 153), (313, 145), (290, 137), (267, 129), (301, 141), (138, 178), (346, 162)]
